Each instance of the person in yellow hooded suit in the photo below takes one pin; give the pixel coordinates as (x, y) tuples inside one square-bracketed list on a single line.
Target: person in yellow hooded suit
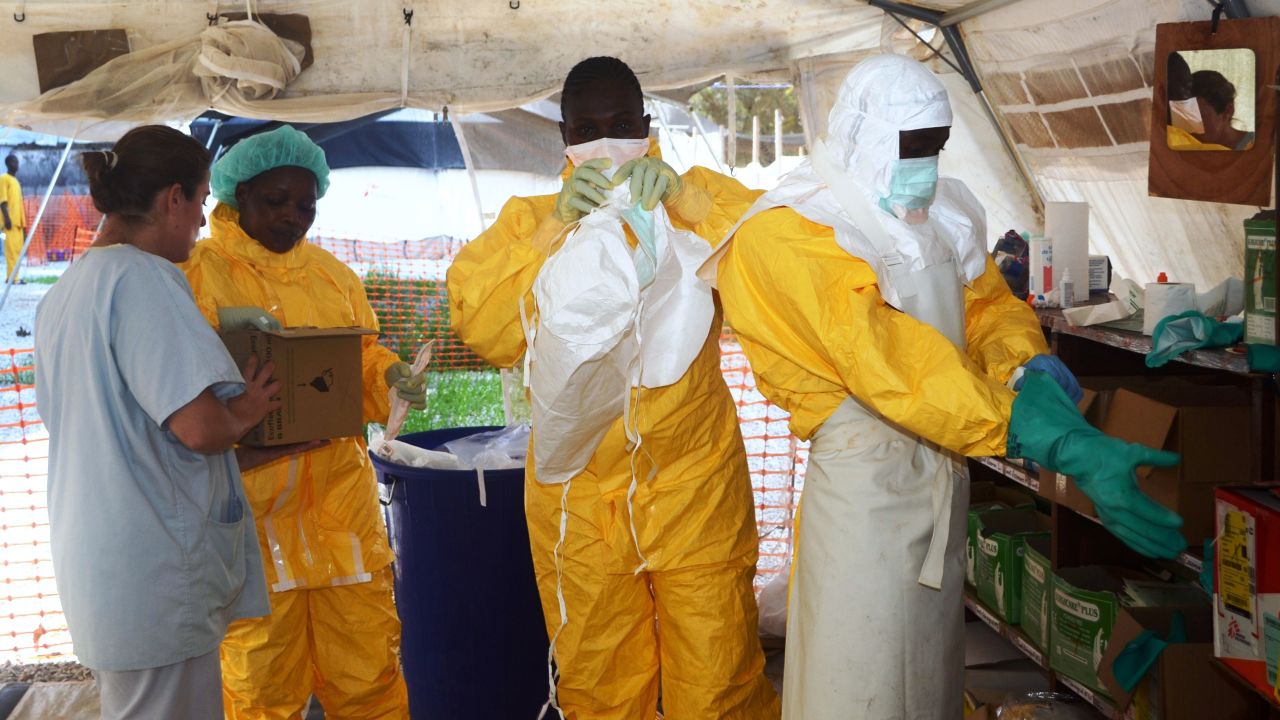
[(333, 628), (690, 523), (865, 300)]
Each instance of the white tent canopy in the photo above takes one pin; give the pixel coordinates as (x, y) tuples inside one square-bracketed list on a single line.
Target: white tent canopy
[(1070, 83)]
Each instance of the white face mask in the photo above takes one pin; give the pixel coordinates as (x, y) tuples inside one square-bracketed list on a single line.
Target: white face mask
[(1186, 115), (616, 149)]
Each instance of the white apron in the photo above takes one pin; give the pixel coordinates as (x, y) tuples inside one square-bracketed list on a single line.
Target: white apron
[(875, 627)]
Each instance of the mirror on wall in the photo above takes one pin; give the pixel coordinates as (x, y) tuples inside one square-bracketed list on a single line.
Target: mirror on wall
[(1213, 111), (1212, 100)]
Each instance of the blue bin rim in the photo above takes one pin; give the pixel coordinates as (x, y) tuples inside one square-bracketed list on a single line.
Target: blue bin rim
[(433, 440)]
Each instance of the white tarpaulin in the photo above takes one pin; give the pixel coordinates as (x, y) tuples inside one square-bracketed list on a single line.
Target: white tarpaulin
[(1069, 81)]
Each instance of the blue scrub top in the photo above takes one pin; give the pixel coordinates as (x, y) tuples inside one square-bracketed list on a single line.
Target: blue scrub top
[(154, 549)]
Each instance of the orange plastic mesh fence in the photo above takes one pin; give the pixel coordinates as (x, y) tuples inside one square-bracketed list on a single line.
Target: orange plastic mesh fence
[(405, 284), (31, 623), (56, 237)]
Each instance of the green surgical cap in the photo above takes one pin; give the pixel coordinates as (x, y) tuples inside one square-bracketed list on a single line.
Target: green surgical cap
[(249, 158)]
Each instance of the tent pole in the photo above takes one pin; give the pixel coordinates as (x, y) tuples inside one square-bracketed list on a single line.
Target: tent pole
[(662, 122), (217, 124), (471, 168), (731, 154), (697, 128), (44, 203)]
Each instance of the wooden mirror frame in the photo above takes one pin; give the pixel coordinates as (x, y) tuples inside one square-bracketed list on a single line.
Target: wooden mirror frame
[(1241, 177)]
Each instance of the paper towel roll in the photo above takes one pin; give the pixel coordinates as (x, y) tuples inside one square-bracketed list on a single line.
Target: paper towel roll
[(1165, 299), (1066, 225)]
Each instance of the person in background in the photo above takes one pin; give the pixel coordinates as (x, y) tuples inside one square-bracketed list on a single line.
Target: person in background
[(14, 216), (1217, 99), (333, 628), (863, 295), (692, 508), (153, 545)]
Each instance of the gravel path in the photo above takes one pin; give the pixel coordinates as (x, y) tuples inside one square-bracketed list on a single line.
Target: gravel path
[(44, 672), (19, 313)]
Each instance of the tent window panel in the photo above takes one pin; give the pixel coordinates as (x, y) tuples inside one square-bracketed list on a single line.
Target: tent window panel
[(1129, 122), (65, 57), (1112, 77), (1006, 89), (1079, 128), (1029, 129), (1049, 87)]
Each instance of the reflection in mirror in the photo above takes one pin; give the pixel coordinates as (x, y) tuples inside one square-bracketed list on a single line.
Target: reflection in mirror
[(1211, 99)]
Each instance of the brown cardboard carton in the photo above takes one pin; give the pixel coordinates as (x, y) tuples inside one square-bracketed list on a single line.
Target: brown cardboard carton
[(1208, 425), (320, 373), (1181, 684)]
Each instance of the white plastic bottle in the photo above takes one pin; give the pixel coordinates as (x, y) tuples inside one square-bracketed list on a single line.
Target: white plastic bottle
[(1066, 290)]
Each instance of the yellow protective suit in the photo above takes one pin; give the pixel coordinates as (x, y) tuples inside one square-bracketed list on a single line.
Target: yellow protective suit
[(15, 236), (1179, 139), (811, 320), (693, 519), (333, 629)]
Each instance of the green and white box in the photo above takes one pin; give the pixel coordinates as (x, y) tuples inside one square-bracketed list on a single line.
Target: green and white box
[(1085, 604), (986, 496), (1260, 281), (1002, 539), (1037, 592)]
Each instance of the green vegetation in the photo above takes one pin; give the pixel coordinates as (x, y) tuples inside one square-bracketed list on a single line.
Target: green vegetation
[(460, 398), (713, 102)]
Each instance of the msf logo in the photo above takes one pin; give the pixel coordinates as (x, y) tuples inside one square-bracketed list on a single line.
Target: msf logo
[(1234, 632)]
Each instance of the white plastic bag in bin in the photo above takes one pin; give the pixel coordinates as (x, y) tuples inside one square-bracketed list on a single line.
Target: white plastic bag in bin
[(503, 449)]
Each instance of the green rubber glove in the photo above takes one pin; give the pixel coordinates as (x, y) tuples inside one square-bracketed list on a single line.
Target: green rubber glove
[(1046, 427), (411, 388), (583, 191), (1191, 330), (1141, 653), (652, 181), (246, 318)]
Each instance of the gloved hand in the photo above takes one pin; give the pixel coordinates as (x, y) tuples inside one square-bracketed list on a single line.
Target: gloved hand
[(1058, 371), (1141, 653), (1045, 426), (652, 180), (583, 191), (411, 388), (246, 318)]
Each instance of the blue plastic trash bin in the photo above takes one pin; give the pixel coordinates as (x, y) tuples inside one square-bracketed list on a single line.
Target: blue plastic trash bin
[(474, 644)]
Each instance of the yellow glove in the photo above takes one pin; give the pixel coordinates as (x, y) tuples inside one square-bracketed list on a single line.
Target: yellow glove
[(652, 180), (411, 388), (583, 191)]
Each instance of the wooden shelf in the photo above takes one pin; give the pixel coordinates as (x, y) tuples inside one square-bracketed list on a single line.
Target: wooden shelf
[(1235, 676), (1136, 342), (1023, 644)]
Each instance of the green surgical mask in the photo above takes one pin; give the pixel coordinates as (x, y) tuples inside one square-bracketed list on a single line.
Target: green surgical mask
[(912, 185)]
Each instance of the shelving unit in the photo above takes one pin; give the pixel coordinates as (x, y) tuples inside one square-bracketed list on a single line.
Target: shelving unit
[(1079, 538), (1023, 644)]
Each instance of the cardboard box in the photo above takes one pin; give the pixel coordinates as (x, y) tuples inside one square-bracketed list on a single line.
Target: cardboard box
[(1084, 609), (1037, 592), (1246, 583), (320, 372), (1002, 539), (1208, 425), (984, 497), (1181, 684), (1260, 281)]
